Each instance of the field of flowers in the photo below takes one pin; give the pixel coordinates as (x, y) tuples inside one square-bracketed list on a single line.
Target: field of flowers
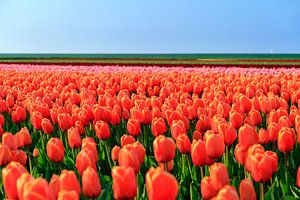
[(157, 133)]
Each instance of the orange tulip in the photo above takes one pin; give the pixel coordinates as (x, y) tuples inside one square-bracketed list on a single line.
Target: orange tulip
[(199, 155), (207, 189), (236, 119), (54, 185), (115, 153), (247, 136), (102, 130), (273, 130), (55, 150), (164, 149), (124, 182), (68, 195), (24, 178), (74, 139), (227, 193), (19, 156), (10, 174), (128, 158), (9, 140), (89, 143), (158, 126), (127, 139), (5, 155), (85, 159), (228, 133), (64, 121), (2, 120), (263, 136), (91, 186), (183, 143), (286, 139), (47, 126), (23, 137), (239, 154), (68, 181), (36, 120), (35, 152), (247, 191), (215, 146), (255, 117), (157, 179), (19, 115), (37, 189), (133, 127), (177, 128), (219, 175), (298, 177)]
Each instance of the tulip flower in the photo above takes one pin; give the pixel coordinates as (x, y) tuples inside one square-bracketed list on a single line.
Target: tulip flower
[(183, 144), (157, 179), (133, 127), (24, 178), (68, 181), (286, 139), (247, 191), (19, 156), (23, 137), (247, 136), (102, 130), (128, 158), (54, 185), (199, 154), (158, 126), (227, 193), (55, 150), (85, 159), (298, 177), (47, 126), (219, 175), (64, 121), (164, 149), (74, 139), (124, 182), (37, 189), (5, 155), (36, 120), (207, 189), (19, 115), (127, 139), (10, 174), (67, 195), (115, 153), (91, 186), (9, 140), (215, 146)]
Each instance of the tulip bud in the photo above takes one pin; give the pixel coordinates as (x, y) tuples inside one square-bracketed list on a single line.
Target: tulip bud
[(157, 179), (164, 149), (91, 186), (55, 150), (68, 181), (124, 182)]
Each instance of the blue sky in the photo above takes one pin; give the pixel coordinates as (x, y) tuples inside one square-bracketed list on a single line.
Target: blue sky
[(152, 26)]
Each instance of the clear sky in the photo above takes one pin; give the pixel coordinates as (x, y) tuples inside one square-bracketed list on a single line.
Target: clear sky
[(149, 26)]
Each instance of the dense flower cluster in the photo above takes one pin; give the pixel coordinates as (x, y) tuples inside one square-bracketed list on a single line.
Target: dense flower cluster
[(71, 132)]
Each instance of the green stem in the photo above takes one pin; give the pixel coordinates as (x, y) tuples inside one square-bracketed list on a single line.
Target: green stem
[(261, 189), (189, 165), (166, 166), (108, 155), (226, 156), (201, 172), (29, 160)]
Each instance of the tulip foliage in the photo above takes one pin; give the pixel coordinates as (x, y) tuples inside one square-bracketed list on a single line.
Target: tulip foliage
[(105, 132)]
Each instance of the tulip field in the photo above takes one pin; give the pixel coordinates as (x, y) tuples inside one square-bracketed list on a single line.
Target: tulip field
[(157, 133)]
